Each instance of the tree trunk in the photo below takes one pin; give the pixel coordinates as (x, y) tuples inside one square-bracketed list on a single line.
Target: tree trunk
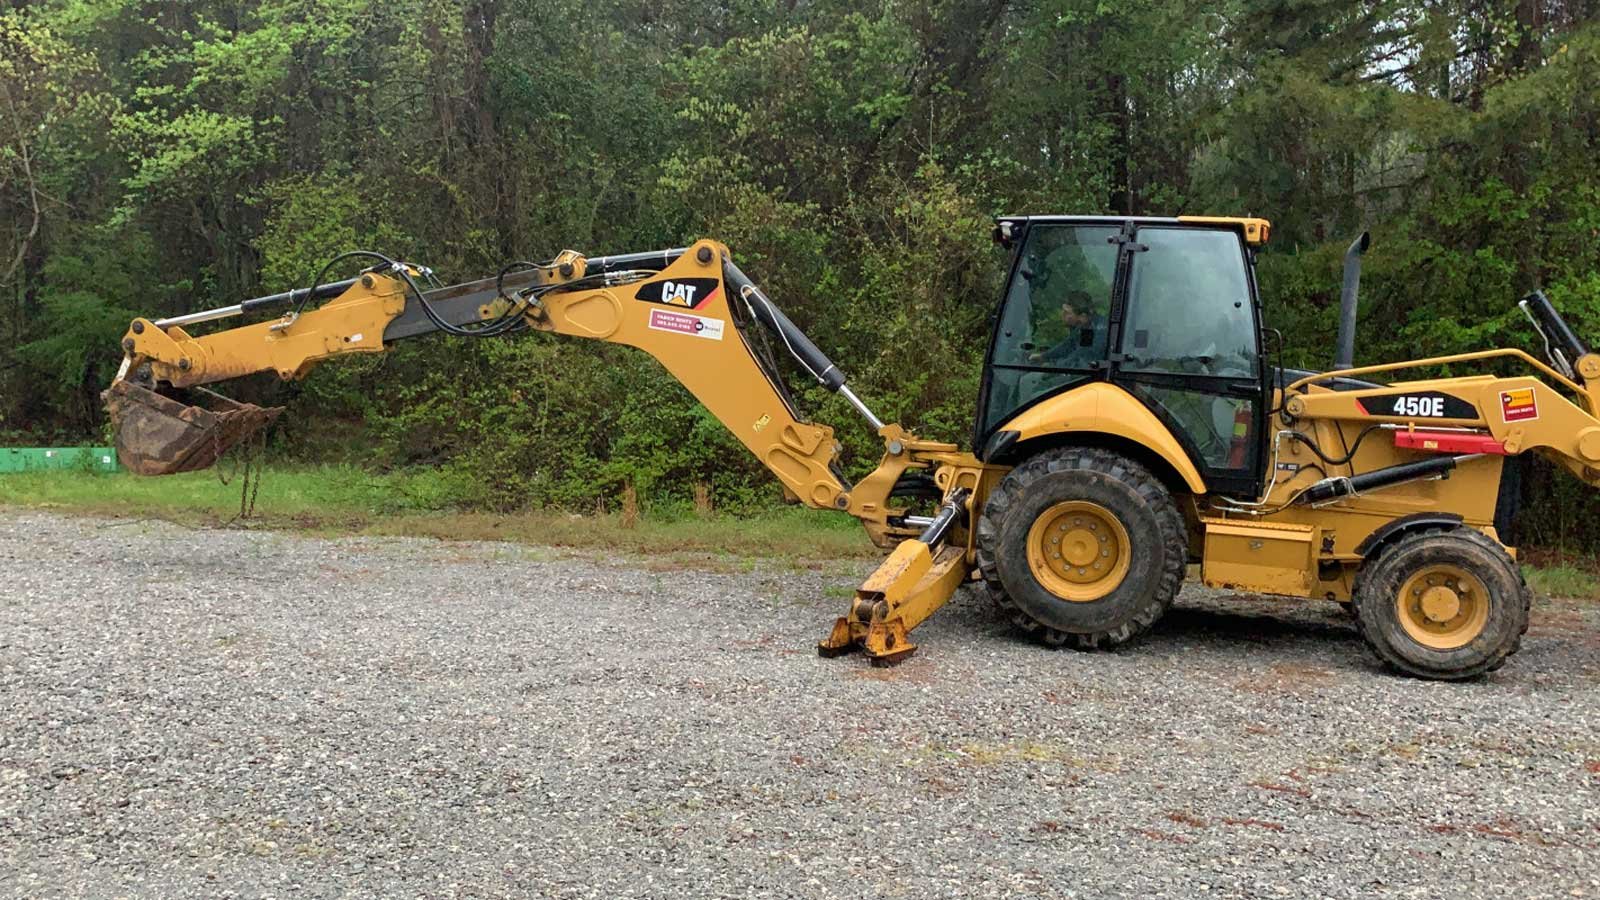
[(1529, 50), (1121, 200)]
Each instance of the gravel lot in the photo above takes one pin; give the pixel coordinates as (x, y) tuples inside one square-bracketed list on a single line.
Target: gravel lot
[(232, 713)]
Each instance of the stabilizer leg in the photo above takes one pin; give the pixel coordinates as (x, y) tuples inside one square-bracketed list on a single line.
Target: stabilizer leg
[(917, 578)]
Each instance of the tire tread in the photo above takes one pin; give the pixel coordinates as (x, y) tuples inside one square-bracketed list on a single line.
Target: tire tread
[(1373, 575), (1149, 488)]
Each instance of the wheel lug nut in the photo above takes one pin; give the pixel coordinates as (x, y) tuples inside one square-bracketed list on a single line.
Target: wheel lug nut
[(1081, 572), (1105, 552)]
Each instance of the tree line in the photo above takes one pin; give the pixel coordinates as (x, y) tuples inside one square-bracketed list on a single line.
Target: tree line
[(157, 158)]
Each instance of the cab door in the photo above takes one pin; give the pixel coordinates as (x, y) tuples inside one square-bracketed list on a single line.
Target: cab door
[(1054, 322), (1188, 346)]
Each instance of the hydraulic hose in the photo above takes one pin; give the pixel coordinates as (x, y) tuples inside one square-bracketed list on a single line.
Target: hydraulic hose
[(769, 315), (817, 363)]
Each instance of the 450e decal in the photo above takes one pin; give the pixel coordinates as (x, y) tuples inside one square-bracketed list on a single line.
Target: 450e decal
[(1419, 405)]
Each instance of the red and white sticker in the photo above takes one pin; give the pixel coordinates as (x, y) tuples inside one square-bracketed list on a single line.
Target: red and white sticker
[(1518, 405), (684, 323)]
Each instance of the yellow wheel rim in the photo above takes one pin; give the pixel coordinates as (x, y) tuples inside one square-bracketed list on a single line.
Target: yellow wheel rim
[(1078, 550), (1443, 607)]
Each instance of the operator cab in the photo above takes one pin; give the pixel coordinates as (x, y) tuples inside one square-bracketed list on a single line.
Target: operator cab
[(1165, 308)]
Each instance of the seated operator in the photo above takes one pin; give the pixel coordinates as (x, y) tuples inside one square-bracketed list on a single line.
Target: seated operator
[(1080, 339)]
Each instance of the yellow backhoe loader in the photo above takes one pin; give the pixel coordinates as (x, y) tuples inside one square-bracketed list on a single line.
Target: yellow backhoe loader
[(1129, 423)]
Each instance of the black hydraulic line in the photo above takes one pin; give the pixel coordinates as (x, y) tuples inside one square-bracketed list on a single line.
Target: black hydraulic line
[(458, 304), (1345, 486), (387, 266), (654, 260), (453, 309), (1350, 452)]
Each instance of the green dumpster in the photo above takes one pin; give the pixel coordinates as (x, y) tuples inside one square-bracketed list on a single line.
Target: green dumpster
[(30, 459)]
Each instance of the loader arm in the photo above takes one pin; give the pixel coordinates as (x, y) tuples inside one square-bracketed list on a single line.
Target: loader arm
[(1508, 415)]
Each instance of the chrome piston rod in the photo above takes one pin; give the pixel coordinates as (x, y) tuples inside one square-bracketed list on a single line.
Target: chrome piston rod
[(866, 413)]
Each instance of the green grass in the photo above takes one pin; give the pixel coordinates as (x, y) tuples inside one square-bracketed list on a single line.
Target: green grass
[(327, 491), (1563, 580), (346, 500)]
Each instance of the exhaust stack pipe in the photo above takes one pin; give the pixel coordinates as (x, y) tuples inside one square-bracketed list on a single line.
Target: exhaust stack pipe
[(1345, 352)]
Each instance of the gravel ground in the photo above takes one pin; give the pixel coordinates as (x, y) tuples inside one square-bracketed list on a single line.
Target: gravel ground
[(232, 713)]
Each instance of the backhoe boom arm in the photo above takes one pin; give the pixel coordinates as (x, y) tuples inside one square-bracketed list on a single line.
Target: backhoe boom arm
[(690, 308)]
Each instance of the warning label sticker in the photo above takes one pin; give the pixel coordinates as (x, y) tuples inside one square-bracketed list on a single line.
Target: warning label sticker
[(684, 323), (1518, 405)]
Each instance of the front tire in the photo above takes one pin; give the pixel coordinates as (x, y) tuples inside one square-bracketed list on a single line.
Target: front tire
[(1445, 605), (1082, 546)]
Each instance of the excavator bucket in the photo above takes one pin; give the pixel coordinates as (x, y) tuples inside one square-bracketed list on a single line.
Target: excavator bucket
[(159, 435)]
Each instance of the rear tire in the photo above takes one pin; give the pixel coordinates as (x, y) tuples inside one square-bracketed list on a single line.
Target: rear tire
[(1082, 546), (1444, 605)]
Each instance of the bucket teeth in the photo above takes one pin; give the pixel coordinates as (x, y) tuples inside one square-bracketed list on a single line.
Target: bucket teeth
[(158, 435)]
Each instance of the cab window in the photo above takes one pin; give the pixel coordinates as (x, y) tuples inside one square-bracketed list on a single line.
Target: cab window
[(1059, 302), (1189, 305)]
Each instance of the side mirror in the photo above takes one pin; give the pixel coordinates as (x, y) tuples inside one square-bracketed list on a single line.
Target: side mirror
[(1006, 231)]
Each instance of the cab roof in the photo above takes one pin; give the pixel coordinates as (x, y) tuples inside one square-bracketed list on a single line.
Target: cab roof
[(1254, 230)]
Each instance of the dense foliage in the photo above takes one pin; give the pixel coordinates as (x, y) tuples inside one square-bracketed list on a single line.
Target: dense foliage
[(162, 157)]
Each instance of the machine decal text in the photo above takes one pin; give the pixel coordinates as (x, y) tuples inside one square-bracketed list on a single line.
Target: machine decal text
[(1419, 406), (1518, 405), (684, 323), (690, 293), (1422, 405)]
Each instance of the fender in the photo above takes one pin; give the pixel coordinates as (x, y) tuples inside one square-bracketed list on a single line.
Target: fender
[(1101, 408), (1398, 527)]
